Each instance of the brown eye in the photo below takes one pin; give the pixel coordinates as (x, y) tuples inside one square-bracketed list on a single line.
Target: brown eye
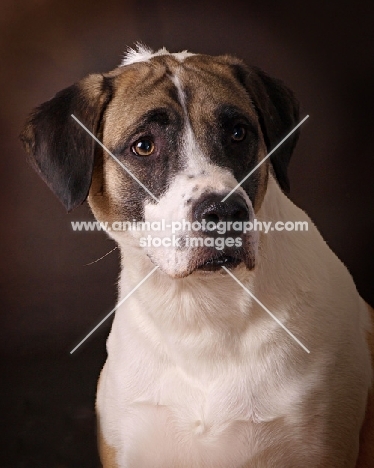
[(239, 133), (143, 147)]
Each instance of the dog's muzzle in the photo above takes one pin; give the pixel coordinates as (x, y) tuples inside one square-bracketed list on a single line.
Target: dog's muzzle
[(223, 221)]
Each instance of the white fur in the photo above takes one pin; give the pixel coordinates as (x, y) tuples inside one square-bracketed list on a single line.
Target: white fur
[(199, 376), (143, 53), (196, 160)]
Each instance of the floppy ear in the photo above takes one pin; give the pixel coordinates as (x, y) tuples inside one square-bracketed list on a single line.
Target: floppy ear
[(60, 150), (278, 113)]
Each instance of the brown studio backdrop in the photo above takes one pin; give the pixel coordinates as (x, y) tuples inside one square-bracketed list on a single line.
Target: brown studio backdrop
[(49, 298)]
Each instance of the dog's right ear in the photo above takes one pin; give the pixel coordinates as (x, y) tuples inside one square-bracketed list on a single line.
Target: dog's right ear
[(59, 149)]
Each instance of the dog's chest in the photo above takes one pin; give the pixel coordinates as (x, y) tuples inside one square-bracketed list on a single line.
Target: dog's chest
[(218, 405), (177, 419), (204, 408), (168, 419)]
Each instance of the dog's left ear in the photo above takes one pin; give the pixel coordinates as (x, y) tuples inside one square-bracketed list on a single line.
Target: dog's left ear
[(278, 114), (60, 150)]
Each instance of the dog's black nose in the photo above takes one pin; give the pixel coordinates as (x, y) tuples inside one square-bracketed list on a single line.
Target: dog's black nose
[(212, 209)]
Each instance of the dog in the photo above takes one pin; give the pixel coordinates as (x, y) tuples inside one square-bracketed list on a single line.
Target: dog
[(198, 374)]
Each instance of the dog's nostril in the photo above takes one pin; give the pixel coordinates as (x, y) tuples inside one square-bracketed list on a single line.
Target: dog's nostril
[(217, 213), (212, 209), (211, 218)]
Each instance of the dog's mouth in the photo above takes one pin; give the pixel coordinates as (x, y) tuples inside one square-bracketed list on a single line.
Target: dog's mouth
[(217, 262), (206, 261)]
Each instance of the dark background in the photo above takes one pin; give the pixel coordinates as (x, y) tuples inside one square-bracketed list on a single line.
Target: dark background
[(49, 298)]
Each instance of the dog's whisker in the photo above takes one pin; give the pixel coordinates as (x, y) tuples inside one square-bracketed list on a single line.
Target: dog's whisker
[(98, 259)]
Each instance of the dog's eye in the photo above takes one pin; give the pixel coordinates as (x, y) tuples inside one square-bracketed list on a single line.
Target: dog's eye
[(144, 147), (239, 133)]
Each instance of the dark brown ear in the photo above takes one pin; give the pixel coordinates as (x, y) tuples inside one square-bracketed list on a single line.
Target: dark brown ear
[(59, 149), (278, 113)]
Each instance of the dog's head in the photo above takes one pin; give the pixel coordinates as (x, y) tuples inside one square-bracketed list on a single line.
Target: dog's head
[(188, 128)]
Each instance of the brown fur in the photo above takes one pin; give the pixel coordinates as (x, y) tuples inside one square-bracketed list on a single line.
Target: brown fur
[(366, 454), (107, 453)]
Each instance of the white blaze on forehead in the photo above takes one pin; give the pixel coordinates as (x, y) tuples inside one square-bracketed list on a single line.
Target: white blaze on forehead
[(143, 53), (192, 154)]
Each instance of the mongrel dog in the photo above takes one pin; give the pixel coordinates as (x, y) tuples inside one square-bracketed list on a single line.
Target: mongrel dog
[(198, 374)]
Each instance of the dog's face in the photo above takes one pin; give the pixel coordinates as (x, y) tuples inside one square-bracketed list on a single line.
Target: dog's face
[(189, 128)]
